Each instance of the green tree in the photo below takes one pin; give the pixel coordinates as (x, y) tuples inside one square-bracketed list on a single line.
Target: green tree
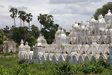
[(30, 39), (29, 19), (6, 29), (103, 10), (35, 30), (23, 17), (14, 14), (12, 28), (21, 32), (49, 28), (20, 13), (1, 36), (26, 28)]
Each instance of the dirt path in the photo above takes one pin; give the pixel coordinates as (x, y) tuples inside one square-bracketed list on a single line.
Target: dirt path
[(12, 55)]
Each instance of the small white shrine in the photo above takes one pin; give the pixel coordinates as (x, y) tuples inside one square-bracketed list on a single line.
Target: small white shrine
[(92, 39)]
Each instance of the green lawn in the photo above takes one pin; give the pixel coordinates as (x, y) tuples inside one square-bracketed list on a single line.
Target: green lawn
[(8, 62)]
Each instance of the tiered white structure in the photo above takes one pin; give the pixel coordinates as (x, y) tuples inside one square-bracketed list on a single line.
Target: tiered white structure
[(90, 40)]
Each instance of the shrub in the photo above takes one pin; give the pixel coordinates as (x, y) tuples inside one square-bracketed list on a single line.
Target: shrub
[(21, 61), (102, 62), (25, 65), (107, 72), (5, 54), (63, 68)]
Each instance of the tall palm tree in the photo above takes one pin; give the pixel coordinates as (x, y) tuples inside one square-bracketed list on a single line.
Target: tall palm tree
[(40, 20), (14, 14), (29, 19), (20, 16), (23, 17), (43, 19)]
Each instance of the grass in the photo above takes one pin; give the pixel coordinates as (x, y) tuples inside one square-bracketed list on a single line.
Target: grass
[(13, 67), (8, 62)]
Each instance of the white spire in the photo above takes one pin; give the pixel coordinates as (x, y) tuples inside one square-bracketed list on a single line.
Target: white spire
[(76, 25), (26, 43), (101, 19), (109, 13), (76, 22), (22, 41), (100, 16), (92, 19)]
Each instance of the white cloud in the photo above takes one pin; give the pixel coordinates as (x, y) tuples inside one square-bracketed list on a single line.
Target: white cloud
[(1, 6), (19, 8), (71, 1), (65, 12)]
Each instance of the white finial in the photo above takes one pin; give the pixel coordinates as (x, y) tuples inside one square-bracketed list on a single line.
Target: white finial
[(70, 30), (75, 22), (59, 27), (72, 25), (26, 43), (82, 23), (22, 41), (62, 31), (87, 21), (100, 16), (109, 11), (40, 34), (92, 17)]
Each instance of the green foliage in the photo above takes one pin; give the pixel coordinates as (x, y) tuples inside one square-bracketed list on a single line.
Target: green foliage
[(22, 33), (93, 31), (1, 41), (62, 46), (12, 67), (102, 62), (31, 39), (21, 61), (49, 28), (1, 36), (9, 35), (8, 62), (103, 10), (63, 68), (35, 31), (107, 72), (6, 54), (6, 29), (29, 18)]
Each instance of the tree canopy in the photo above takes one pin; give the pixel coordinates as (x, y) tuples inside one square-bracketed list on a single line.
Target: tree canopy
[(49, 28), (14, 14), (103, 10), (1, 36)]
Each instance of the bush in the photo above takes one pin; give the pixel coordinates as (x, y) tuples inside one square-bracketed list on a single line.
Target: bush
[(107, 72), (5, 54), (1, 41), (21, 61), (102, 62), (64, 68)]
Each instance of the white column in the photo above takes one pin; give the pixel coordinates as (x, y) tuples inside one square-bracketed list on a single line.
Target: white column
[(77, 36)]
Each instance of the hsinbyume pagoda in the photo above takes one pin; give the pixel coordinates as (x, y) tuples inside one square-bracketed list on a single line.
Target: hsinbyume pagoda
[(92, 39)]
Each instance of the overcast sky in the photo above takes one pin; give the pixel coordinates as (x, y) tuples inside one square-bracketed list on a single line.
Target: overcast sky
[(65, 12)]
